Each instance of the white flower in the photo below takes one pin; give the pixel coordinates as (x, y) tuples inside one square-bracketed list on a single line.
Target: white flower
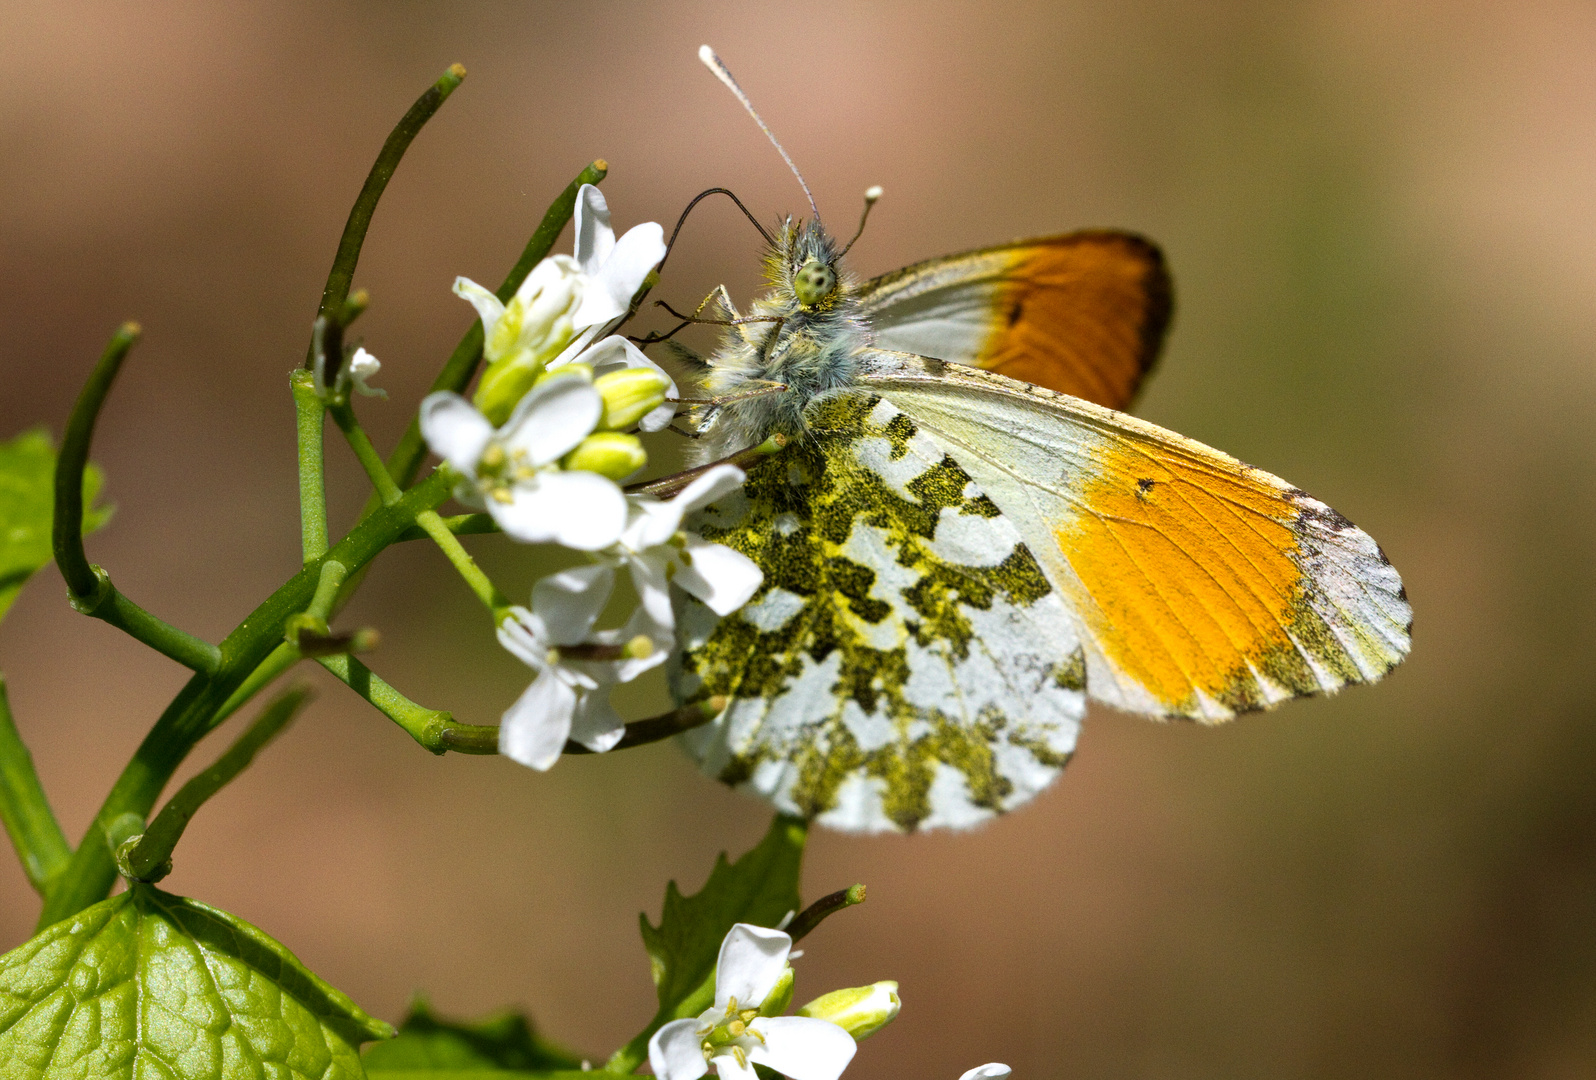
[(538, 321), (614, 269), (564, 304), (569, 698), (734, 1036), (657, 552), (994, 1071), (363, 366), (513, 471)]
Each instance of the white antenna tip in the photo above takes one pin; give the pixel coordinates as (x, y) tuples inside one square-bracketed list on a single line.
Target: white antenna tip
[(873, 193), (707, 55)]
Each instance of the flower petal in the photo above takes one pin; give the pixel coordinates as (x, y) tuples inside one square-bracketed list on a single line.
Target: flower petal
[(614, 284), (555, 415), (750, 964), (727, 1067), (533, 730), (594, 509), (580, 510), (635, 254), (650, 522), (569, 603), (595, 239), (596, 724), (802, 1047), (717, 482), (489, 308), (994, 1071), (523, 635), (674, 1051), (653, 587), (455, 431), (723, 579)]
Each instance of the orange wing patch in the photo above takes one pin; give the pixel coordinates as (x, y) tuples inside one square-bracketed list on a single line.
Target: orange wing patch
[(1173, 625), (1203, 587), (1084, 314), (1197, 575)]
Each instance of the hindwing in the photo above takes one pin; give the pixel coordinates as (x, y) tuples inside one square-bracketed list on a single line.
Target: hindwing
[(1084, 313), (906, 662)]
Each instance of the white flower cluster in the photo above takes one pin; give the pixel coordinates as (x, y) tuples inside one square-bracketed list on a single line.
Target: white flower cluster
[(744, 1028), (543, 446)]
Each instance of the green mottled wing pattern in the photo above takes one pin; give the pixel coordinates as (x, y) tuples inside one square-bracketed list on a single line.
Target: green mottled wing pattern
[(906, 663)]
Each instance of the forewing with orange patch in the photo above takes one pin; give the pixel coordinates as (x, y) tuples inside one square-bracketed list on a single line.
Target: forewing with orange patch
[(1083, 314), (1202, 587)]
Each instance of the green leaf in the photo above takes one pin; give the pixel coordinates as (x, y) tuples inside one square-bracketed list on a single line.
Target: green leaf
[(504, 1040), (151, 985), (27, 502), (486, 1074), (759, 888)]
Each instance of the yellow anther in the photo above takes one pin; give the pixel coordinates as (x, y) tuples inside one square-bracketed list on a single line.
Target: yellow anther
[(493, 458), (747, 1015), (503, 495)]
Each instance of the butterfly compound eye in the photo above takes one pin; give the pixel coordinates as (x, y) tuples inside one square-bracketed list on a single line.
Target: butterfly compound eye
[(814, 282)]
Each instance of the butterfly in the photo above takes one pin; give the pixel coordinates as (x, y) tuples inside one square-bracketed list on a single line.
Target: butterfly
[(965, 539)]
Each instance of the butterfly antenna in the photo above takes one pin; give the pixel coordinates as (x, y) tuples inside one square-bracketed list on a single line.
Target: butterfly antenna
[(771, 240), (713, 63), (871, 195)]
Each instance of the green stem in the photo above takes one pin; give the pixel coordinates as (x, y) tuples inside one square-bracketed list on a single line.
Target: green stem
[(822, 909), (486, 591), (41, 846), (422, 724), (193, 713), (668, 486), (382, 170), (278, 661), (309, 411), (150, 856), (329, 579), (459, 524), (109, 605), (657, 728), (405, 461), (370, 460), (89, 589), (67, 527)]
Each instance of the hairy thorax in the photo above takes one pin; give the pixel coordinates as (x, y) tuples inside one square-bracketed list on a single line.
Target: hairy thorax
[(811, 351)]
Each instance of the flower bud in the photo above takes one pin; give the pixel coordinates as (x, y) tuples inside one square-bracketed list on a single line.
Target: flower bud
[(780, 996), (629, 395), (608, 453), (860, 1010)]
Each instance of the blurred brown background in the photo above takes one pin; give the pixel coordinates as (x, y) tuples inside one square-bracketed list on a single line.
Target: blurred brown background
[(1382, 222)]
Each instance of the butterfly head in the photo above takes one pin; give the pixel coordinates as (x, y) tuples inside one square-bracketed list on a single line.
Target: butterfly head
[(805, 264)]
